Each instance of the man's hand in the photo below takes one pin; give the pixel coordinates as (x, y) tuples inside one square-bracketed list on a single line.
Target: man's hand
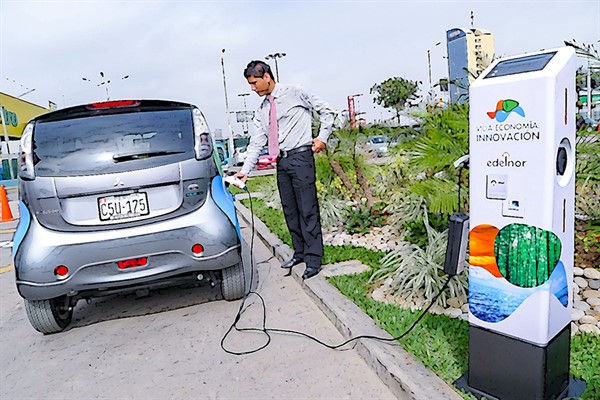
[(241, 177), (318, 145)]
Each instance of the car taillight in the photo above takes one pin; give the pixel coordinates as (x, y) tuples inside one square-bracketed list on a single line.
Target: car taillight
[(203, 146), (26, 153), (61, 272), (132, 263), (114, 104), (197, 249)]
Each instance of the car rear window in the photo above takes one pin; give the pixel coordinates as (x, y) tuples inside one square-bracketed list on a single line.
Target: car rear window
[(112, 143)]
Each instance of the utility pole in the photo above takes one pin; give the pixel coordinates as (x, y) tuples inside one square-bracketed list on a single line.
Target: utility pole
[(230, 143), (275, 56), (429, 69)]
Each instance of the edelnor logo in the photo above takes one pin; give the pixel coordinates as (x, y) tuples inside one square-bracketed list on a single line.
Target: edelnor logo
[(504, 161), (504, 108)]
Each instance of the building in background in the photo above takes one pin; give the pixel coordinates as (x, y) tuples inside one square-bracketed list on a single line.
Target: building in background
[(470, 51), (16, 113)]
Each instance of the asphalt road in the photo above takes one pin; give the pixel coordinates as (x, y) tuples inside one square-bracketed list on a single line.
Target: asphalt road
[(168, 345)]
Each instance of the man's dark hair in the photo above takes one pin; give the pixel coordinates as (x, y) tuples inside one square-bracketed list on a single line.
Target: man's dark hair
[(258, 69)]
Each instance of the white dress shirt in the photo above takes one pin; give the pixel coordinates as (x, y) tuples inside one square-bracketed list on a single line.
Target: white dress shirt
[(294, 106)]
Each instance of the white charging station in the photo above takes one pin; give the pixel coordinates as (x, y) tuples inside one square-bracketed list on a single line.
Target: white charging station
[(522, 175)]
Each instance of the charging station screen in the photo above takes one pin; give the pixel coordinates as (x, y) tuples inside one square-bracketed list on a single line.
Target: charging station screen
[(520, 65)]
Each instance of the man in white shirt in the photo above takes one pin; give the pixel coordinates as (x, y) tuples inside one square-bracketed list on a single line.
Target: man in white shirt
[(286, 113)]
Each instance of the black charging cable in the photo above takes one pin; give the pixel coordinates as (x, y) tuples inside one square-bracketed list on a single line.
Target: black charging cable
[(265, 330)]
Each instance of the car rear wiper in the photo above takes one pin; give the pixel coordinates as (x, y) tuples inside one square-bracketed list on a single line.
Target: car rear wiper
[(138, 156)]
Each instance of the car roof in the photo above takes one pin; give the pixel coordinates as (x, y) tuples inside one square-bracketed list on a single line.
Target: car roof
[(111, 107)]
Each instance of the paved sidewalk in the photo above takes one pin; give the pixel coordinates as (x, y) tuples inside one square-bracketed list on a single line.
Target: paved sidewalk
[(402, 374), (398, 369)]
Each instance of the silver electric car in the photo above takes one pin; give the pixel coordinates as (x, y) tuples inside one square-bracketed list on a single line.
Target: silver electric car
[(121, 196)]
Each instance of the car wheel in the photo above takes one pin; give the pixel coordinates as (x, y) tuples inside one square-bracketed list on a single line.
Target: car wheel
[(233, 283), (48, 316)]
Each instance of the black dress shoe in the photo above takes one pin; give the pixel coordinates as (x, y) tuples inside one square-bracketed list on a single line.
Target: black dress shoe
[(310, 272), (290, 263)]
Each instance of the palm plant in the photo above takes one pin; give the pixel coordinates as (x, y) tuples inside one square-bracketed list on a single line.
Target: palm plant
[(426, 186), (415, 270)]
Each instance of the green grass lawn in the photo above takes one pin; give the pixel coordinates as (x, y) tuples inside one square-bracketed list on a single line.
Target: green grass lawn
[(439, 342)]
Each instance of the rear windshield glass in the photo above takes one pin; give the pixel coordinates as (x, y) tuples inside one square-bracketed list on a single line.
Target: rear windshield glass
[(112, 143)]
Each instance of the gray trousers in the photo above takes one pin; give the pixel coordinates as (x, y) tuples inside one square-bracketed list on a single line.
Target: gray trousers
[(298, 193)]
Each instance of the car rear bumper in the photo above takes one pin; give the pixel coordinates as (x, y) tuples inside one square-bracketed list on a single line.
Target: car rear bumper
[(92, 257)]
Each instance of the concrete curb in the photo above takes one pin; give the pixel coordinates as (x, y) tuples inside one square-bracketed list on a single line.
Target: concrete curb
[(398, 369)]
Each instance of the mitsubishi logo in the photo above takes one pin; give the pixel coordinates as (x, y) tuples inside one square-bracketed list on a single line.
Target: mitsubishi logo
[(118, 182)]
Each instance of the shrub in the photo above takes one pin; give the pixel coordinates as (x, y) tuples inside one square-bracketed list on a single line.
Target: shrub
[(361, 218)]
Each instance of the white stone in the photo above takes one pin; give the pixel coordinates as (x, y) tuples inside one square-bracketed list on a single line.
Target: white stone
[(576, 297), (464, 317), (593, 313), (576, 314), (594, 301), (590, 293), (453, 312), (437, 310), (576, 289), (581, 282), (591, 273), (465, 308), (594, 284), (454, 302), (400, 300), (581, 305), (589, 329), (588, 319), (419, 302), (574, 329), (379, 295), (577, 271)]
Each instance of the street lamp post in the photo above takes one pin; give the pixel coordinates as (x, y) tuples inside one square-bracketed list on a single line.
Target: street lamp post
[(230, 141), (275, 56), (104, 83), (245, 120), (429, 70)]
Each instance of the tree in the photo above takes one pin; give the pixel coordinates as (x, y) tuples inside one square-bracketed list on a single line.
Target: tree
[(395, 93)]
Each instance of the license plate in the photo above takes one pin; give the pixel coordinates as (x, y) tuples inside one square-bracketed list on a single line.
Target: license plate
[(123, 207)]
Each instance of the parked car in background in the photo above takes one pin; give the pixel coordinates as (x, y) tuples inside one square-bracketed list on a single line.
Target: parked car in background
[(591, 125), (265, 160), (587, 124), (378, 145), (119, 197)]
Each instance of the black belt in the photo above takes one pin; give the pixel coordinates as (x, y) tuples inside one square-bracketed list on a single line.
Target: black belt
[(301, 149)]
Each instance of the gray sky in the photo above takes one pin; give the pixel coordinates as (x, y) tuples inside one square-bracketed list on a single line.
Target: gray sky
[(172, 49)]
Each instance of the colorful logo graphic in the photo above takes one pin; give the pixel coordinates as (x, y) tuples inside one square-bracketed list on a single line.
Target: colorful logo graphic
[(509, 265), (504, 108)]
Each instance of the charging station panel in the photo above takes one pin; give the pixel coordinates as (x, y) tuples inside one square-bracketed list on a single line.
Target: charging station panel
[(522, 184), (522, 158)]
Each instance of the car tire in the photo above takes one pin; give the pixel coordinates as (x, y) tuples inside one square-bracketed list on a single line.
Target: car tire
[(48, 316), (233, 284)]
